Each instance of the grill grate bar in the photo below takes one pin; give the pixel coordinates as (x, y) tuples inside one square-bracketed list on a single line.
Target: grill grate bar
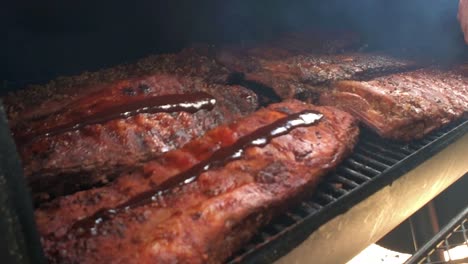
[(395, 154), (416, 145), (388, 161), (308, 208), (362, 167), (300, 211), (326, 198), (365, 159), (345, 181), (294, 216), (278, 227), (356, 176), (434, 136), (335, 188), (397, 147), (427, 141), (316, 205), (410, 149)]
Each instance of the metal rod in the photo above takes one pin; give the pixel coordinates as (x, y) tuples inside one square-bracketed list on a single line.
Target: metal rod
[(425, 226), (413, 235), (20, 240), (434, 224)]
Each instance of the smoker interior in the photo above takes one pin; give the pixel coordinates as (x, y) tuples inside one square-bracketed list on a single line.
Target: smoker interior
[(51, 39), (454, 234)]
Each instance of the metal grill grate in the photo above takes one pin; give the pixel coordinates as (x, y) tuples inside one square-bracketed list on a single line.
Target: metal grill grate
[(374, 163), (454, 236)]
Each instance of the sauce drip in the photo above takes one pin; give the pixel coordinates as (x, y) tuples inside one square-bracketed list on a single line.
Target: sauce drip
[(190, 102), (220, 157)]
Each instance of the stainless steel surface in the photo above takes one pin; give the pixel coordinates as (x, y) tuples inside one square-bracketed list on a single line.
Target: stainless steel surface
[(341, 238)]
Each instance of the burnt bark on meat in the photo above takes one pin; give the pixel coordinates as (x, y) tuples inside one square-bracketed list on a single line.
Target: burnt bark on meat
[(404, 106), (58, 161), (207, 220)]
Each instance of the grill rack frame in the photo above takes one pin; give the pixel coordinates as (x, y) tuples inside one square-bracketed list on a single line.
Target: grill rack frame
[(458, 225), (289, 229)]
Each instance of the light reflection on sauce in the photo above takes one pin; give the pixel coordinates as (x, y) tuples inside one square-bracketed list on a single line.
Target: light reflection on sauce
[(189, 102)]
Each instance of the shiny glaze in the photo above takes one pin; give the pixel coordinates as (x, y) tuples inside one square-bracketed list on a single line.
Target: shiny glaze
[(220, 157), (112, 109)]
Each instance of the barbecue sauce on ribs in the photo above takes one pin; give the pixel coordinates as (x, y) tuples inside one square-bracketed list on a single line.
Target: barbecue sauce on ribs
[(123, 107), (257, 138)]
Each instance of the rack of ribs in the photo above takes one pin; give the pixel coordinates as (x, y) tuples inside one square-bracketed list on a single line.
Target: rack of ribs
[(293, 76), (201, 202), (404, 106), (398, 98), (248, 56), (38, 100), (89, 140)]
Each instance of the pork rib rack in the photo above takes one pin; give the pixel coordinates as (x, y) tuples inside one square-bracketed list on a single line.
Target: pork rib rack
[(92, 138), (407, 105), (199, 204)]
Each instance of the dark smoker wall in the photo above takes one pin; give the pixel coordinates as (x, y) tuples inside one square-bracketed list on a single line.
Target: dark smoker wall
[(43, 39)]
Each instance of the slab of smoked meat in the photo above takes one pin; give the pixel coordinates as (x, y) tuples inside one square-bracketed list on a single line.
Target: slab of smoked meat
[(404, 106), (306, 76), (86, 143), (200, 203), (36, 101)]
